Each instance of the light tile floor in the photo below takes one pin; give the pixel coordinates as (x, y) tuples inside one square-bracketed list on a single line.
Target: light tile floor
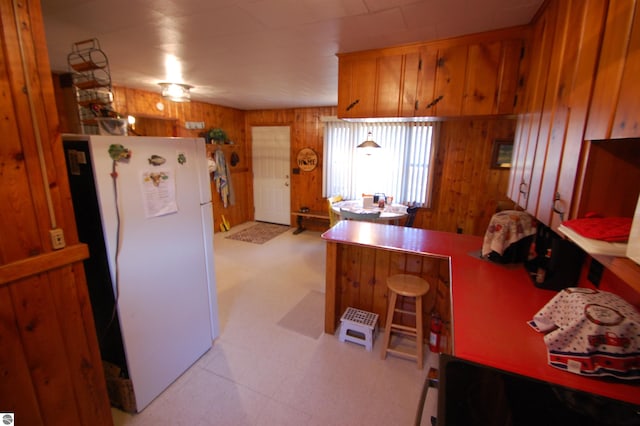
[(259, 373)]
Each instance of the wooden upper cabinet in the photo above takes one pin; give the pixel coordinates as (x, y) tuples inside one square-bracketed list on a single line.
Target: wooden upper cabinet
[(615, 101), (378, 84), (465, 76), (450, 72), (626, 123), (356, 87), (397, 77), (565, 45)]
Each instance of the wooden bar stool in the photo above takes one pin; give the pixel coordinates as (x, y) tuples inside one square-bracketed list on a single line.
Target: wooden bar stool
[(408, 286)]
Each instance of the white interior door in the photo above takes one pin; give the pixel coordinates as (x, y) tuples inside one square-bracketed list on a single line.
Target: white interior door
[(271, 163)]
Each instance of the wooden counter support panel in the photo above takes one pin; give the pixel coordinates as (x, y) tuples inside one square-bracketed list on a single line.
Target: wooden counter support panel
[(356, 277), (300, 217)]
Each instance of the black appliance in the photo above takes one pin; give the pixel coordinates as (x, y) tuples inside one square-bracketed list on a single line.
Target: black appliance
[(557, 263), (87, 214), (471, 394)]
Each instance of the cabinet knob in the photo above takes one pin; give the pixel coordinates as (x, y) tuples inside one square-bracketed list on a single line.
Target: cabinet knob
[(523, 188), (558, 206), (352, 104)]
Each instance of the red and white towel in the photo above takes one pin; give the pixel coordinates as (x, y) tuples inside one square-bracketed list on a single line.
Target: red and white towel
[(591, 333)]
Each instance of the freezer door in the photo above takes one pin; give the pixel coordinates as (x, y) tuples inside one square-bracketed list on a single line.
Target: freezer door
[(162, 286)]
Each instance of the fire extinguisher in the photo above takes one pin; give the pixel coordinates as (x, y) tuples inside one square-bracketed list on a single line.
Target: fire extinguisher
[(436, 332)]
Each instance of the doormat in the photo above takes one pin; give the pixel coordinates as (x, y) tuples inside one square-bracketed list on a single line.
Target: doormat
[(307, 317), (259, 233)]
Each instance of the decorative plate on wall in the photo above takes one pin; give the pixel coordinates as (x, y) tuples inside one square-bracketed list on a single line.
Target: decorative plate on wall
[(307, 159)]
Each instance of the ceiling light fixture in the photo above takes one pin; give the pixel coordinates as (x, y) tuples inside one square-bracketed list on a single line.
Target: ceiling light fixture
[(369, 143), (177, 92)]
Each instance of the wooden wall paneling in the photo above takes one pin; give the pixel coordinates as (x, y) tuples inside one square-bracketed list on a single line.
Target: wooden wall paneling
[(72, 305), (306, 186), (611, 65), (17, 389), (398, 265), (349, 270), (145, 126), (626, 123), (45, 119), (143, 103), (367, 279), (23, 154), (448, 203), (18, 239), (380, 293), (44, 389), (66, 101), (475, 180), (468, 189), (39, 328), (332, 287)]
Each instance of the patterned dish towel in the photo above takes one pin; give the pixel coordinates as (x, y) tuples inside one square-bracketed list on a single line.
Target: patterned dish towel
[(591, 333), (506, 228)]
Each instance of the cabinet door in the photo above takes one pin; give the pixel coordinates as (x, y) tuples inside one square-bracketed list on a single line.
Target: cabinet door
[(510, 78), (396, 81), (426, 82), (611, 66), (626, 123), (356, 87), (381, 85), (526, 143), (482, 82), (586, 20), (449, 85)]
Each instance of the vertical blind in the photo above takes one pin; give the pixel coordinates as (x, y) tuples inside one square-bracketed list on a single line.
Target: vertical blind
[(401, 167)]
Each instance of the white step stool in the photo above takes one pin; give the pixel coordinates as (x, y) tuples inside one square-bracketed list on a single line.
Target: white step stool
[(361, 324)]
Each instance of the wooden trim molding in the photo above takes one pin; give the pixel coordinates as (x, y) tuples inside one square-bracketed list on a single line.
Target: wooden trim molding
[(42, 263)]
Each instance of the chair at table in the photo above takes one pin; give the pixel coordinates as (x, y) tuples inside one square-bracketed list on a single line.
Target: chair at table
[(411, 216), (367, 217), (333, 216)]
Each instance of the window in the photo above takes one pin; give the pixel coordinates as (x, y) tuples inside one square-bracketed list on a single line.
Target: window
[(401, 167)]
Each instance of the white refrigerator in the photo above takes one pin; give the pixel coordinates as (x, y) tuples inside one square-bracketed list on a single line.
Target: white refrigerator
[(149, 228)]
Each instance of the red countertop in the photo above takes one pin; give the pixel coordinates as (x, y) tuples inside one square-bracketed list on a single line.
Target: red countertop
[(491, 304)]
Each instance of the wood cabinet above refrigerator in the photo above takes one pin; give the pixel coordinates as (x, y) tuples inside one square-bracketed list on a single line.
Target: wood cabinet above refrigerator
[(476, 75)]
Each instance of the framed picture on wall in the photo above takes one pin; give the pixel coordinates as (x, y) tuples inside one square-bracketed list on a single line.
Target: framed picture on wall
[(501, 154)]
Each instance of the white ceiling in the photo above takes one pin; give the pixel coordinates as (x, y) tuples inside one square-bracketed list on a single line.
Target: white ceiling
[(259, 54)]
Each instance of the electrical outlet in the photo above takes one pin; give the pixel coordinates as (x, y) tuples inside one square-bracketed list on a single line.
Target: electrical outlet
[(57, 238)]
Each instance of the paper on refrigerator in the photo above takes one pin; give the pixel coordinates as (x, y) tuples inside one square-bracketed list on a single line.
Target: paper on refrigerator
[(158, 192)]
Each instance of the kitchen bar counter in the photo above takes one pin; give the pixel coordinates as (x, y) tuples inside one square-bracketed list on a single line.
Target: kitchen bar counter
[(491, 303)]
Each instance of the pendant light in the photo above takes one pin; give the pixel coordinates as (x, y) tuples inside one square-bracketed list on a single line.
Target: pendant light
[(369, 143)]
